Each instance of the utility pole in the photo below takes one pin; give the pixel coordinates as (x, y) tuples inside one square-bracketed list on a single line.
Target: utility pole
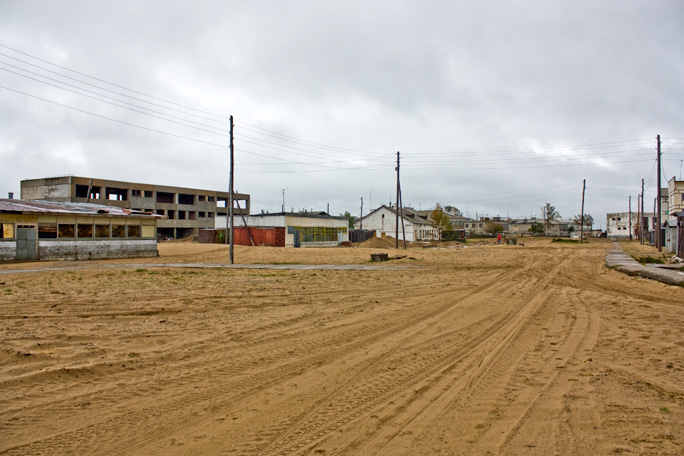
[(584, 187), (630, 218), (361, 218), (283, 201), (642, 211), (637, 230), (659, 241), (654, 221), (396, 209), (232, 195)]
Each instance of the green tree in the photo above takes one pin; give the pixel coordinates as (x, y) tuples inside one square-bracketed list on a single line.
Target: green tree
[(440, 221), (493, 227), (350, 218), (536, 229)]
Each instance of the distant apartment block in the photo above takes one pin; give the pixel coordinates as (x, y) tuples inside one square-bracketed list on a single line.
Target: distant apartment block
[(186, 209)]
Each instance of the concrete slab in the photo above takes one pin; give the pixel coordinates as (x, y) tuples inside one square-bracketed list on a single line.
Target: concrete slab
[(617, 259)]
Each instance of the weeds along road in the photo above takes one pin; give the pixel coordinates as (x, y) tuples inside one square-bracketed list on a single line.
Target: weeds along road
[(489, 349)]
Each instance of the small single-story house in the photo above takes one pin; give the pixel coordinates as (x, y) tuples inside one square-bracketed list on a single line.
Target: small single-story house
[(49, 230), (289, 229), (383, 221)]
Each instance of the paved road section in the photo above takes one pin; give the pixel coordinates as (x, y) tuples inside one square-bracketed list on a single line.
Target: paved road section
[(620, 261)]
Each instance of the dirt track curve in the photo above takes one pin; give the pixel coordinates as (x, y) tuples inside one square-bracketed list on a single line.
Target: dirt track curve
[(532, 350)]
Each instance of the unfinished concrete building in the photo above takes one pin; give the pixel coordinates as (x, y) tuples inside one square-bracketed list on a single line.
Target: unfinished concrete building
[(186, 210)]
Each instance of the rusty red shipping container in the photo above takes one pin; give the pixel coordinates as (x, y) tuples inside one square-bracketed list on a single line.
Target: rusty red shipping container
[(274, 237)]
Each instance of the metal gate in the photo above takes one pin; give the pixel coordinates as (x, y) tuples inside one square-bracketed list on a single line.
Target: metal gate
[(26, 242)]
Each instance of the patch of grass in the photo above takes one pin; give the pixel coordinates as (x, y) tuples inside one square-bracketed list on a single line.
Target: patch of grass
[(664, 409), (282, 263), (568, 241), (141, 270), (648, 260)]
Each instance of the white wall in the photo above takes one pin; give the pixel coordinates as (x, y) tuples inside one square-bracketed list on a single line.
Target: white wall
[(386, 225)]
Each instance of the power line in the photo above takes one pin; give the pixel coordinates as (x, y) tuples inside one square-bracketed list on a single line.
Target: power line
[(111, 91), (115, 104), (223, 116)]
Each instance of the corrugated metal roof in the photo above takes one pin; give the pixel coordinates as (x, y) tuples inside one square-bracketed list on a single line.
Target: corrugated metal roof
[(59, 207)]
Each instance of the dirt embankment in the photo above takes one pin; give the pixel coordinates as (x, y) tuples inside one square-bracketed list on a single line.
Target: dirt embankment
[(487, 349)]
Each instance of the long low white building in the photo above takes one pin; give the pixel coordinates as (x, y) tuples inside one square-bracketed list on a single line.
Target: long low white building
[(301, 229)]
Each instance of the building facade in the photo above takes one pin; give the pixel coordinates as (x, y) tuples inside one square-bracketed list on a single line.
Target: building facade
[(185, 210), (618, 224), (38, 230), (289, 229), (383, 221), (675, 197)]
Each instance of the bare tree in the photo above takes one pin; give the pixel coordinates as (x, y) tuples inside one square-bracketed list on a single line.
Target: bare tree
[(550, 215)]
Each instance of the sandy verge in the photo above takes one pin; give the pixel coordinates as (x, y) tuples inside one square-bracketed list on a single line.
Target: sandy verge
[(488, 349)]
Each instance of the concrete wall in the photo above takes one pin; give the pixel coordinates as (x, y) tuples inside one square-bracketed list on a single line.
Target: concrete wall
[(54, 189), (50, 249), (8, 250)]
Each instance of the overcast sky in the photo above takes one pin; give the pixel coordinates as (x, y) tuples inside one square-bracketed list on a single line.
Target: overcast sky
[(496, 107)]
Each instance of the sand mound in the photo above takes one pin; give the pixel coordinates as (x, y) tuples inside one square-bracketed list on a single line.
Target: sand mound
[(385, 242)]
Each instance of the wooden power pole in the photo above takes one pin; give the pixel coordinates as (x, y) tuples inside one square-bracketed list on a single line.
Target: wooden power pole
[(630, 218), (361, 218), (584, 187), (396, 208), (232, 195), (659, 241), (642, 211)]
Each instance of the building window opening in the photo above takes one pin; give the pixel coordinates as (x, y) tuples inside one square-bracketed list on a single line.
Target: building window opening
[(6, 230), (192, 215), (222, 202), (116, 194), (101, 231), (133, 231), (47, 230), (201, 197), (164, 197), (148, 193), (211, 199), (171, 214), (181, 215), (160, 211), (85, 231), (118, 231), (186, 199), (202, 214), (66, 231), (82, 192)]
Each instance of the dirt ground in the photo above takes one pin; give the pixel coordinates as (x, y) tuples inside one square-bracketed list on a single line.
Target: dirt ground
[(488, 349)]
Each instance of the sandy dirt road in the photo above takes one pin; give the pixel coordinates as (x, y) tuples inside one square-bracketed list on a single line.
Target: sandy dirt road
[(533, 350)]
